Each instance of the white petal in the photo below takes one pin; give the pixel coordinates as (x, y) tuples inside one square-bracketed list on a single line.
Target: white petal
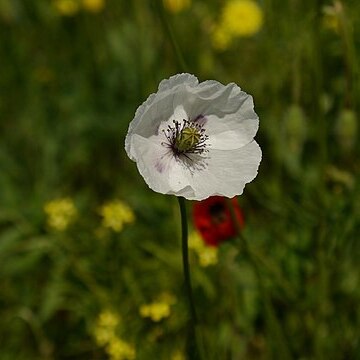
[(231, 121), (213, 97), (179, 114), (227, 134), (160, 107), (176, 80), (227, 172), (226, 108), (147, 154), (161, 171)]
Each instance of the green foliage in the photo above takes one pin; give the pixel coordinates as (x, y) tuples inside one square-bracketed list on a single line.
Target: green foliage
[(70, 86)]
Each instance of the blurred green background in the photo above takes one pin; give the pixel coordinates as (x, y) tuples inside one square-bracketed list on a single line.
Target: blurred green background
[(90, 259)]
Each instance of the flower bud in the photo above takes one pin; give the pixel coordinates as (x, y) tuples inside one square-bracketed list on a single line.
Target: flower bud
[(346, 130), (295, 134), (295, 128)]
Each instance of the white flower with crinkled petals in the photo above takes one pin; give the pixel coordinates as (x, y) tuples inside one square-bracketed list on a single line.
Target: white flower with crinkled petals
[(195, 140)]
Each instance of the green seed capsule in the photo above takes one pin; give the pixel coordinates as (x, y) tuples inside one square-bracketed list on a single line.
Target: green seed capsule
[(188, 138)]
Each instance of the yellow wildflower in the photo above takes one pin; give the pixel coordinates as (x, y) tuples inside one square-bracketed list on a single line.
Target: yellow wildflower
[(241, 18), (93, 5), (67, 7), (195, 241), (221, 38), (176, 6), (156, 311), (108, 319), (118, 349), (103, 335), (116, 214), (208, 256), (60, 212), (105, 326), (331, 17), (177, 355)]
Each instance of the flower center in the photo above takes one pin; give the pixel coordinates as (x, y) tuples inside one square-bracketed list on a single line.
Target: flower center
[(217, 213), (188, 138), (185, 138)]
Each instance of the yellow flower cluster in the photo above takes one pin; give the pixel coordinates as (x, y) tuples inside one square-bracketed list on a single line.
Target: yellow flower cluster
[(93, 5), (106, 324), (176, 6), (333, 15), (60, 213), (177, 355), (71, 7), (116, 214), (208, 255), (120, 350), (159, 309), (67, 7), (105, 335), (239, 18)]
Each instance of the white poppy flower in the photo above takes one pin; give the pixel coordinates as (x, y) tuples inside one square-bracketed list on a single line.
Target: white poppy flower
[(195, 139)]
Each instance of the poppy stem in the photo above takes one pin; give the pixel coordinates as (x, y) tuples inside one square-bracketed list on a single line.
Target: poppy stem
[(191, 346)]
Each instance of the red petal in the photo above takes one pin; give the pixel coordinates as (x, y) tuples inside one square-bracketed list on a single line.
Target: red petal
[(212, 218)]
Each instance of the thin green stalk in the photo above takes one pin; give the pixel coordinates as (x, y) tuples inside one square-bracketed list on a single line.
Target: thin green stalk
[(185, 256), (46, 348), (317, 86), (170, 33), (191, 347), (349, 54), (280, 347)]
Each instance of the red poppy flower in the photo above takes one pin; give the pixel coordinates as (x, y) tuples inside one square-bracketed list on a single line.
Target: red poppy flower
[(212, 218)]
